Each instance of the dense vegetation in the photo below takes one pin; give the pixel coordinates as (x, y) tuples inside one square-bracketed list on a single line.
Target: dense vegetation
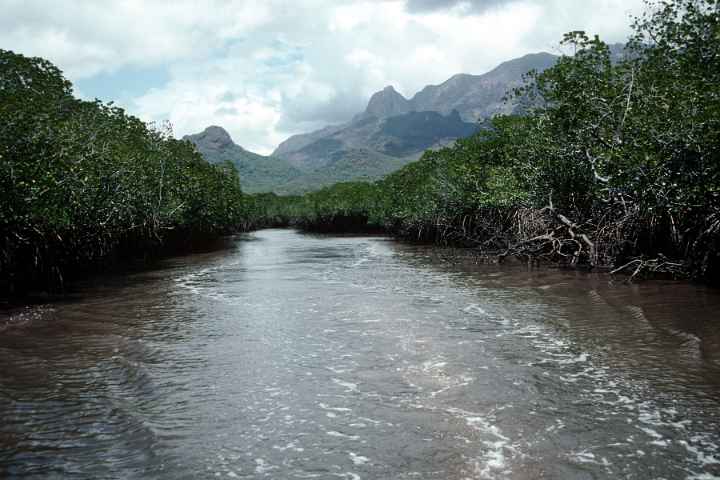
[(82, 182), (615, 163)]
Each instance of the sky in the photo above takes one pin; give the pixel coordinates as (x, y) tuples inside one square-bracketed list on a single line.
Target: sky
[(268, 69)]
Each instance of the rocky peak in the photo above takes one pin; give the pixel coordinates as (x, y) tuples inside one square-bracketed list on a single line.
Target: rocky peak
[(387, 103), (212, 138)]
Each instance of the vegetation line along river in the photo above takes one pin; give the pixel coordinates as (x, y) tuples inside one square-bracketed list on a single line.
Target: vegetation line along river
[(299, 356)]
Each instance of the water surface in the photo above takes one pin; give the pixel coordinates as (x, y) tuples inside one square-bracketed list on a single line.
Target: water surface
[(296, 356)]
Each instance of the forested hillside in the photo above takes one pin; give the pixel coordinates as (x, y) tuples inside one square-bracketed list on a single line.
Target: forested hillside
[(616, 164), (82, 182), (258, 173), (365, 150)]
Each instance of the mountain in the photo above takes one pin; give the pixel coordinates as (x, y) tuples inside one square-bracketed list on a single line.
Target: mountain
[(387, 103), (401, 136), (346, 165), (391, 132), (402, 128), (296, 142), (258, 173), (477, 97)]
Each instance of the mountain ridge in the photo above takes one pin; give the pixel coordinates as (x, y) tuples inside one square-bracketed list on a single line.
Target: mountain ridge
[(475, 97), (391, 132)]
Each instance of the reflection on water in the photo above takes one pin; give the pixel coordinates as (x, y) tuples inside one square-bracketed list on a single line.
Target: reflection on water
[(293, 356)]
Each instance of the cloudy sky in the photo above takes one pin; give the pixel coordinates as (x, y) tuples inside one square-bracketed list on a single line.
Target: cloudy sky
[(267, 69)]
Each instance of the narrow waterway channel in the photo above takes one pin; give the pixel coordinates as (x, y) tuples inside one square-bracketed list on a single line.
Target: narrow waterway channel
[(298, 356)]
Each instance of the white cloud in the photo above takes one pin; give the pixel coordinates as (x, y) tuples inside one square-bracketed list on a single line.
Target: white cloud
[(86, 38), (265, 69)]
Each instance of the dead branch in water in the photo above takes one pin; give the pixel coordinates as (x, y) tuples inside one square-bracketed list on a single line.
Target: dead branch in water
[(660, 265)]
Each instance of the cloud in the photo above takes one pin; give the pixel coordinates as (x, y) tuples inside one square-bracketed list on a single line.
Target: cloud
[(87, 38), (459, 6), (266, 69)]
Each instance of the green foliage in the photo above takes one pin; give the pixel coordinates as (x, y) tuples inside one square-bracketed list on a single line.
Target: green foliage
[(272, 210), (81, 180), (343, 206)]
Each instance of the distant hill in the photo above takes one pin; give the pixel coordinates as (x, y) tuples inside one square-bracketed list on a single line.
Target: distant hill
[(346, 165), (258, 173), (391, 132), (368, 149), (401, 137)]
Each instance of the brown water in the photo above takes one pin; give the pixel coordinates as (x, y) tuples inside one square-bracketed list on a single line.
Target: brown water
[(293, 356)]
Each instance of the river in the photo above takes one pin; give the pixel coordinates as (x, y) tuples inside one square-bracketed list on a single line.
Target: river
[(292, 356)]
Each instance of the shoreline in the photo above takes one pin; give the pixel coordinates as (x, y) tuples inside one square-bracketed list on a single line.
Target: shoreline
[(629, 271), (15, 309), (121, 262)]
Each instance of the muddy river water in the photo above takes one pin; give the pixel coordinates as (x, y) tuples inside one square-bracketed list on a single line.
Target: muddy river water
[(292, 356)]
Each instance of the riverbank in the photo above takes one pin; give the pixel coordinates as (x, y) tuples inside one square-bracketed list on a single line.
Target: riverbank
[(85, 185), (534, 250), (462, 253), (121, 264)]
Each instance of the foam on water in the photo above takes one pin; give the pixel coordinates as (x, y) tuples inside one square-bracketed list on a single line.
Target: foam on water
[(349, 386), (474, 309), (358, 459), (493, 463), (335, 433)]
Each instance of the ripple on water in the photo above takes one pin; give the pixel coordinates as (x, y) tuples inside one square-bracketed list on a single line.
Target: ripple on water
[(294, 356)]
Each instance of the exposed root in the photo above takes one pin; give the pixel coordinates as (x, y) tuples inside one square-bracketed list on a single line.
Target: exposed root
[(562, 240)]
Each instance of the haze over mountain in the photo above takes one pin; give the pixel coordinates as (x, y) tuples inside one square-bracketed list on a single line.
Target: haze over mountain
[(391, 132)]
